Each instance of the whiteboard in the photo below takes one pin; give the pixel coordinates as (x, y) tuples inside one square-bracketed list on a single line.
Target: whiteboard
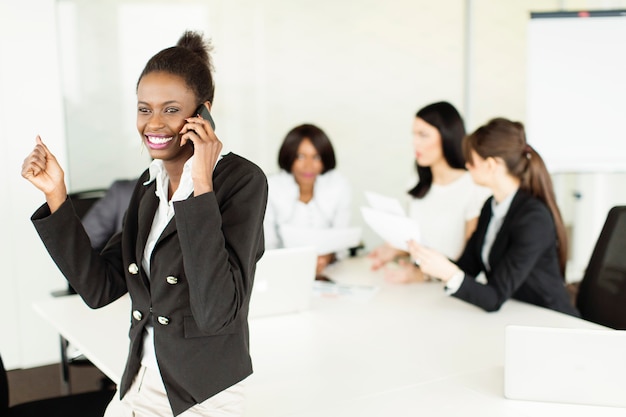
[(576, 90)]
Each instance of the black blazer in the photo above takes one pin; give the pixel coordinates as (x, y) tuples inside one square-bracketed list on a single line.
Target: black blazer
[(524, 259), (202, 271)]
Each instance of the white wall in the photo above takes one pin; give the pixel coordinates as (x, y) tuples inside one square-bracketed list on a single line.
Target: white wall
[(30, 105), (358, 69)]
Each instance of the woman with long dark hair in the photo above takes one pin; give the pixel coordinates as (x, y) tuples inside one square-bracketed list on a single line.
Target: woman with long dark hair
[(445, 202)]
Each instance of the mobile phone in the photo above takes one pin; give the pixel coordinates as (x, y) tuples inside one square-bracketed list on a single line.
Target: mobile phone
[(204, 112)]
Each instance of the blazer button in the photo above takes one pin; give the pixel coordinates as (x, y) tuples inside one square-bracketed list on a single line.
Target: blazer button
[(137, 315), (172, 280), (133, 269), (163, 320)]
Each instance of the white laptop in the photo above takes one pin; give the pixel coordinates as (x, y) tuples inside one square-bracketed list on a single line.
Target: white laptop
[(283, 282), (580, 366)]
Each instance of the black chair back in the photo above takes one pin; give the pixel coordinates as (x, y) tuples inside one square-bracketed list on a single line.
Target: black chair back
[(83, 200), (602, 294), (4, 390)]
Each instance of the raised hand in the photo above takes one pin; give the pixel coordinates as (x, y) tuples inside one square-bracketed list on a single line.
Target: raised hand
[(42, 169)]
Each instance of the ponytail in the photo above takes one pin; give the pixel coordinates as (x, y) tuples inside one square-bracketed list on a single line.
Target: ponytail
[(536, 180), (506, 139)]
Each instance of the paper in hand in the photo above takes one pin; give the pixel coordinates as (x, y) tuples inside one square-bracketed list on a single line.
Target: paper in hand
[(395, 230), (387, 218), (384, 203)]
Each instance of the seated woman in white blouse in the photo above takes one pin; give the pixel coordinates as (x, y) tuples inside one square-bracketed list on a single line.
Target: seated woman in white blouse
[(307, 192)]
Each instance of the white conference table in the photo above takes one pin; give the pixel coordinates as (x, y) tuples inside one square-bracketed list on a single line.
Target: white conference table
[(402, 350)]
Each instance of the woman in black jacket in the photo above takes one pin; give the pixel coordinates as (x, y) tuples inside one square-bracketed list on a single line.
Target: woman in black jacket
[(187, 252)]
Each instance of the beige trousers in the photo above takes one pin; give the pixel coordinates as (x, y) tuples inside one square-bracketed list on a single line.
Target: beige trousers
[(146, 398)]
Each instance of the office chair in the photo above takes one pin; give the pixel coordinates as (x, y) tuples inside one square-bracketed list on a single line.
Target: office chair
[(601, 296), (77, 405), (83, 200)]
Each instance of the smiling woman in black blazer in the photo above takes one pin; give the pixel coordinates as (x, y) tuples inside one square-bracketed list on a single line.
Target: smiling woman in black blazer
[(187, 253), (519, 247)]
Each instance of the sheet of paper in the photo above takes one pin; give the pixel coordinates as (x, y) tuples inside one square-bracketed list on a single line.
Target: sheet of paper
[(325, 240), (395, 230), (384, 203)]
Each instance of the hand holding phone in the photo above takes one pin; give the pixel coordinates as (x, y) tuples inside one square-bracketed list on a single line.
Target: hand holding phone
[(205, 114)]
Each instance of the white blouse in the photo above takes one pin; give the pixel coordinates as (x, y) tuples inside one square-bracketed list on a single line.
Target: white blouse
[(443, 212), (330, 206)]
